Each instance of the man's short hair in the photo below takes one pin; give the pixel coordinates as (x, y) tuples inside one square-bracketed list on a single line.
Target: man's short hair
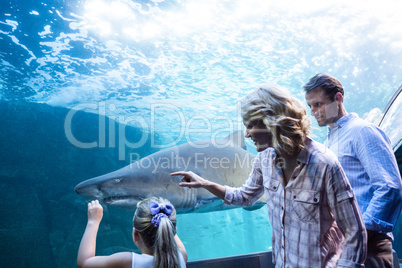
[(328, 83)]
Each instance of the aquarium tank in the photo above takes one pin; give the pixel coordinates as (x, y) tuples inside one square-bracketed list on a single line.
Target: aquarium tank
[(89, 86)]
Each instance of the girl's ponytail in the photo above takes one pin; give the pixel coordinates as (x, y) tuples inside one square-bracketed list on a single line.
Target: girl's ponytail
[(166, 253)]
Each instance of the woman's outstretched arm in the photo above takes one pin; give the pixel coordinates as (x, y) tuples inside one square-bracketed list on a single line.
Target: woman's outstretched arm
[(190, 179)]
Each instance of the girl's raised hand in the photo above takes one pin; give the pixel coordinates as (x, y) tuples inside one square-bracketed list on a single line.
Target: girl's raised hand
[(95, 211)]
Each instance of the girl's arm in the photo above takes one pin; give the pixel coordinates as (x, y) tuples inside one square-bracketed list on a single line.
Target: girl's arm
[(181, 247), (86, 252), (88, 241)]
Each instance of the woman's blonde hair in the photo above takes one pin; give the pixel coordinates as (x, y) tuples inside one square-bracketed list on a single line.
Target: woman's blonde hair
[(282, 114), (159, 239)]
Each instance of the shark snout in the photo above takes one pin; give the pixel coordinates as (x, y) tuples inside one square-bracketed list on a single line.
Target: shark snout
[(88, 189)]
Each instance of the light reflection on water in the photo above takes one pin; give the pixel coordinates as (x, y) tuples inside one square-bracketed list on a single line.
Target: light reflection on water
[(199, 56)]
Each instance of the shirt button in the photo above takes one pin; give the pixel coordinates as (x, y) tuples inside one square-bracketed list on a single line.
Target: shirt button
[(294, 197), (315, 199), (282, 207), (274, 187)]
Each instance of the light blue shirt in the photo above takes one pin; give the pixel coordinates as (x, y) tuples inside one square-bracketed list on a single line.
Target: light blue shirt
[(367, 158)]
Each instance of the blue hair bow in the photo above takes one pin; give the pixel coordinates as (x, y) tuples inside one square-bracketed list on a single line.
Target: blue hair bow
[(156, 208)]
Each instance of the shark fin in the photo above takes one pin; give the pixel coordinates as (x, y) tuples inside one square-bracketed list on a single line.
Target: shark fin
[(236, 138)]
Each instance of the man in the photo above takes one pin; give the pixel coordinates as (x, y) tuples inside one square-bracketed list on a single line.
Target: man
[(315, 218), (366, 156)]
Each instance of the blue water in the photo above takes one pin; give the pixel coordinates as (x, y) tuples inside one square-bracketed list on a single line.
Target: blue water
[(173, 71), (225, 233)]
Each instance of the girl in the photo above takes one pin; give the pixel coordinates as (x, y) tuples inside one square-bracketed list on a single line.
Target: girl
[(154, 233)]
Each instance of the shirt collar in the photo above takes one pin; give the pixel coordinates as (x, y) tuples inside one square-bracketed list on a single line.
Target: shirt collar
[(304, 155), (344, 120)]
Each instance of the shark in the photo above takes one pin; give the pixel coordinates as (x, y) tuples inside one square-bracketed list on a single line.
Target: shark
[(225, 161)]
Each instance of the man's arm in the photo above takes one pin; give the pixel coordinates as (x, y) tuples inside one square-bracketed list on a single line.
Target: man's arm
[(375, 154)]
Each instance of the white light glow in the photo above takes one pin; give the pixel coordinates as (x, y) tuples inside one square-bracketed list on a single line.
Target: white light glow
[(107, 17), (123, 18)]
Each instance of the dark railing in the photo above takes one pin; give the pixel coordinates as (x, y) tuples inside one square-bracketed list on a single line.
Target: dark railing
[(252, 260)]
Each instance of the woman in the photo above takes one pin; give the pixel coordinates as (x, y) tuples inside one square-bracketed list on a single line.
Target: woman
[(312, 209)]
